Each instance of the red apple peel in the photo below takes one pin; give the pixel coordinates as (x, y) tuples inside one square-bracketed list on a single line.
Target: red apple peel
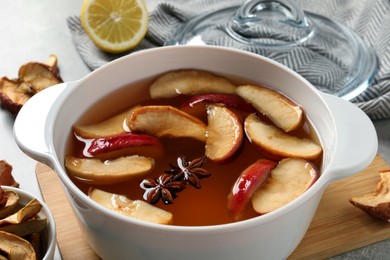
[(253, 177)]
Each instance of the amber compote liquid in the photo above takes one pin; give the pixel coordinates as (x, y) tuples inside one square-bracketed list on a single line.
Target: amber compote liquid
[(193, 207)]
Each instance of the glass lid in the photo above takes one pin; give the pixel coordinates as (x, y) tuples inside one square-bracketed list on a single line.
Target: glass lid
[(328, 54)]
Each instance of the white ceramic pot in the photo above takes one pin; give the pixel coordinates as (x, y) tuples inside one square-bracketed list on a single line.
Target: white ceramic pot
[(24, 198), (347, 136)]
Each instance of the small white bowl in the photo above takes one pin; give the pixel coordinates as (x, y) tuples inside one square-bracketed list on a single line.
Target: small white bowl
[(24, 198)]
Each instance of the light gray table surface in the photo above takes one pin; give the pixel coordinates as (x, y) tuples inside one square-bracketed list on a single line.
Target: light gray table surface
[(31, 31)]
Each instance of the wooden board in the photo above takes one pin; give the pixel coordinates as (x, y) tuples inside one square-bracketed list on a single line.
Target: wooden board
[(337, 227)]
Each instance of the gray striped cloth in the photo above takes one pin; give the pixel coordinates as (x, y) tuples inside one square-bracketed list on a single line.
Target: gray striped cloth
[(368, 18)]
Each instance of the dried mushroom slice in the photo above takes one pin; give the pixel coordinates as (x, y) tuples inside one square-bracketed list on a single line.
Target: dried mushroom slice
[(10, 205), (6, 177), (30, 210), (16, 247), (12, 97), (377, 203)]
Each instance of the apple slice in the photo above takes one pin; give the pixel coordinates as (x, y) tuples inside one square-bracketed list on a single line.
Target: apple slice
[(253, 177), (112, 126), (278, 108), (196, 105), (136, 209), (290, 179), (224, 133), (189, 82), (276, 143), (166, 121), (95, 171), (122, 145)]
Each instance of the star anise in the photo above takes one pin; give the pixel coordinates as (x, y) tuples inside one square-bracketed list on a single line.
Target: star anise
[(164, 187), (189, 171), (174, 180)]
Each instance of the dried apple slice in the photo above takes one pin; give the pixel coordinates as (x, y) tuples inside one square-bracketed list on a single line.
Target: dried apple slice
[(25, 228), (16, 247), (189, 82), (376, 203), (112, 126), (123, 145), (13, 97), (30, 210), (136, 209), (40, 75), (33, 77), (276, 143), (95, 171), (196, 105), (166, 121), (6, 177), (290, 179), (224, 133), (12, 199), (253, 177), (282, 111)]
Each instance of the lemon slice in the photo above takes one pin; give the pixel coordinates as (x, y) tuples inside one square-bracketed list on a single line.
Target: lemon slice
[(115, 25)]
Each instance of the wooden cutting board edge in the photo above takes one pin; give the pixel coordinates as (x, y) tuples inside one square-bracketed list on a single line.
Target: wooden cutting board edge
[(337, 226)]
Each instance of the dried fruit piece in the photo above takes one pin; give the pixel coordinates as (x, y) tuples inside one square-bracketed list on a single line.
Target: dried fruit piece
[(39, 75), (95, 171), (36, 240), (224, 133), (290, 179), (18, 226), (275, 143), (377, 203), (16, 247), (112, 126), (13, 97), (253, 177), (27, 227), (136, 209), (196, 105), (6, 177), (123, 145), (189, 82), (166, 121), (11, 203), (33, 77), (30, 210), (282, 111), (3, 198)]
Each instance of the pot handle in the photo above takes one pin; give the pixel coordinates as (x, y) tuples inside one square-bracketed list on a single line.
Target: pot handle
[(355, 149), (30, 126)]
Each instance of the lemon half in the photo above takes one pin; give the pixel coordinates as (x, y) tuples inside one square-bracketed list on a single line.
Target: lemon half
[(115, 25)]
